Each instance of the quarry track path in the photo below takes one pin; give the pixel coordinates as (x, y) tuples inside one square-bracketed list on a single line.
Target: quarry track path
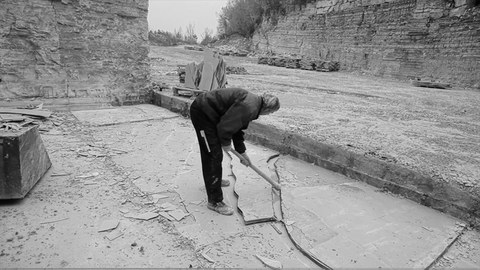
[(428, 138)]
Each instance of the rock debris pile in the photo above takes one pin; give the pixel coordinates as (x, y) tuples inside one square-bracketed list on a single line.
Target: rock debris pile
[(299, 63)]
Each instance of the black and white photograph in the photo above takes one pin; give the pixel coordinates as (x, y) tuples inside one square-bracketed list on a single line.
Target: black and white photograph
[(247, 134)]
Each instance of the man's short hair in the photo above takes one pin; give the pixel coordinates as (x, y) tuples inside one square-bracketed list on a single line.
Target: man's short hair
[(270, 103)]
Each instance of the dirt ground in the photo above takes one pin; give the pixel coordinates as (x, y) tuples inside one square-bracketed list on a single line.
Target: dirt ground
[(432, 131)]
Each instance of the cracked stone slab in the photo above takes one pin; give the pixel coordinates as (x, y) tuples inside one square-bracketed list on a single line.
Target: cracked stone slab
[(127, 114), (349, 224), (254, 194), (258, 239)]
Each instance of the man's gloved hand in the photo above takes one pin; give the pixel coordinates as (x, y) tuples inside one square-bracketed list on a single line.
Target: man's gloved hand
[(227, 148), (245, 160)]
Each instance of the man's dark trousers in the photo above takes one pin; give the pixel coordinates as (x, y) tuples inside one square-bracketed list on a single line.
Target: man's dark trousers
[(211, 156)]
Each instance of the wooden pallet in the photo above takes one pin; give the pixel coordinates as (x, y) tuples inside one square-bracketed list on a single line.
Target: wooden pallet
[(183, 91)]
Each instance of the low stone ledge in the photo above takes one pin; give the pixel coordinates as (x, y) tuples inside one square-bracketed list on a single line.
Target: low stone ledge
[(173, 103)]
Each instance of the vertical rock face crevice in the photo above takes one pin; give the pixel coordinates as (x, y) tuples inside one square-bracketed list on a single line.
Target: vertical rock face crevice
[(74, 48), (435, 40)]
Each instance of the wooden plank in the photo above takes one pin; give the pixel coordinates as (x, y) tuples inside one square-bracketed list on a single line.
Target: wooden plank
[(191, 92), (62, 104), (190, 70), (40, 113), (207, 77), (24, 161), (210, 63), (11, 118)]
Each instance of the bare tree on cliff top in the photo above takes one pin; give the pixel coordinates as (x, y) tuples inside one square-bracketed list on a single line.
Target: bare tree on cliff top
[(190, 36)]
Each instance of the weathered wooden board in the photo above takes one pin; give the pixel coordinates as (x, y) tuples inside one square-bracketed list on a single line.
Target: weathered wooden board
[(190, 70), (180, 91), (40, 113), (207, 77), (23, 161), (210, 63), (12, 117)]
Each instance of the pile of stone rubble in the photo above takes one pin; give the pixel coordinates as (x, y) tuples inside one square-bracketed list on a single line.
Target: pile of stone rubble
[(299, 63)]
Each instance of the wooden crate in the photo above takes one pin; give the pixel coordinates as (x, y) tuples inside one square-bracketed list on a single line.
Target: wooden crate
[(23, 161), (183, 91)]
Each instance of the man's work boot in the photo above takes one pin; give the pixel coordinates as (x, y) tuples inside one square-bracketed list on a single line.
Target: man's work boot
[(221, 208), (225, 183)]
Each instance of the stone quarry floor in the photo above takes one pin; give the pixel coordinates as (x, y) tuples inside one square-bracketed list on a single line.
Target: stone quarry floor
[(432, 132), (125, 190)]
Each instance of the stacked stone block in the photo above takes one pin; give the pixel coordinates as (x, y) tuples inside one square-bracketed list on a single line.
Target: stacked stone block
[(300, 63)]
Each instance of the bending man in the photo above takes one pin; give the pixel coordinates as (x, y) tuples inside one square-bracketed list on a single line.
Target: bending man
[(219, 117)]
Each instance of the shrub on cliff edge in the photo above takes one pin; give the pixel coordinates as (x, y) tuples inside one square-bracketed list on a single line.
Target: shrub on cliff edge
[(243, 17)]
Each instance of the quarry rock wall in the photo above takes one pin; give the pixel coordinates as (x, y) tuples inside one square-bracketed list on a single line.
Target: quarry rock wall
[(431, 40), (74, 48)]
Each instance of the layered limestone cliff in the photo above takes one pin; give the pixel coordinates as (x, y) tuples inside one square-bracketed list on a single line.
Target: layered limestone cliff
[(432, 40), (74, 48)]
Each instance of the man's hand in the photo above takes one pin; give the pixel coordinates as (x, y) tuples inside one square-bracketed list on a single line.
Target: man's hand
[(245, 160), (227, 148)]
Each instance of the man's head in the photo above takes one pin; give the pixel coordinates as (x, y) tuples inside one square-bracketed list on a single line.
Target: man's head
[(270, 104)]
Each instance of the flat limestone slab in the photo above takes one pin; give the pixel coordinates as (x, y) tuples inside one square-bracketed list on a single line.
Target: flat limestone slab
[(124, 114), (349, 224), (254, 194)]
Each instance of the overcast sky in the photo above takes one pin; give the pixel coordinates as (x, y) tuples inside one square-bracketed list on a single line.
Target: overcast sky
[(169, 15)]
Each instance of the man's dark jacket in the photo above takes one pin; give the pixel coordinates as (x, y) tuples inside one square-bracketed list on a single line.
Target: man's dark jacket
[(231, 110)]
